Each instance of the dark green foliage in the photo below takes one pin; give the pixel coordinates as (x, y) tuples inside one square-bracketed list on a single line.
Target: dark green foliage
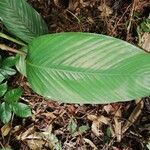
[(21, 19)]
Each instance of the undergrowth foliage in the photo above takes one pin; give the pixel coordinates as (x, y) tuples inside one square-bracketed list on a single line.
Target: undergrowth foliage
[(9, 98), (71, 67)]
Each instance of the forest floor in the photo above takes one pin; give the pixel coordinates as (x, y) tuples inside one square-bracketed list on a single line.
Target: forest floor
[(53, 125)]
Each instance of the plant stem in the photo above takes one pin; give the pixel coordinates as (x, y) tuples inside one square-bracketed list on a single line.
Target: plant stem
[(11, 39), (7, 48)]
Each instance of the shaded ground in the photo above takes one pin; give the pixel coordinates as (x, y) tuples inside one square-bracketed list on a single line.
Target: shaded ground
[(119, 126)]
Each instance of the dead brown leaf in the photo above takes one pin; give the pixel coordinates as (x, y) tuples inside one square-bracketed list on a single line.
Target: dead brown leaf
[(106, 11), (6, 129), (144, 41), (49, 115), (35, 144), (117, 125), (56, 2), (133, 117), (108, 108), (97, 123), (90, 143), (25, 134)]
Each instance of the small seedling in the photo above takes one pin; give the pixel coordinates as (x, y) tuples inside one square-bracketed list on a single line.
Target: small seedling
[(11, 105)]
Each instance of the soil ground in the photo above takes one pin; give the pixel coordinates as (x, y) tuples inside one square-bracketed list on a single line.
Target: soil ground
[(117, 126)]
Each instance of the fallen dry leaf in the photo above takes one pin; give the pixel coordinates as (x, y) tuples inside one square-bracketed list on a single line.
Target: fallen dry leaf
[(90, 143), (106, 11), (84, 4), (144, 41), (96, 126), (117, 125), (56, 2), (35, 144), (49, 115), (39, 140), (92, 117), (73, 4), (6, 129), (16, 128), (97, 123), (133, 117), (101, 118), (108, 108), (24, 135)]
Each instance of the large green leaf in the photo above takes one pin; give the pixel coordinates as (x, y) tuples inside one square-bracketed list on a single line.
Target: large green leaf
[(21, 19), (87, 68)]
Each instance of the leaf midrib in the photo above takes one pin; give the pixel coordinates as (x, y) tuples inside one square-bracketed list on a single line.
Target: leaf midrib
[(84, 72)]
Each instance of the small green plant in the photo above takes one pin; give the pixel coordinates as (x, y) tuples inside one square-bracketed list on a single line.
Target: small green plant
[(6, 64), (74, 129), (145, 25), (10, 98), (75, 67), (6, 71), (11, 103)]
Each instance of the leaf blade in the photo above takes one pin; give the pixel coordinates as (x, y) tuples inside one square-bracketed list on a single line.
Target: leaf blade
[(13, 95), (21, 110), (5, 113), (87, 68), (3, 89), (19, 14), (1, 77)]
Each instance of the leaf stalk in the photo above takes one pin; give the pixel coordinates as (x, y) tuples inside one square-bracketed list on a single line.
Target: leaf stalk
[(11, 39), (7, 48)]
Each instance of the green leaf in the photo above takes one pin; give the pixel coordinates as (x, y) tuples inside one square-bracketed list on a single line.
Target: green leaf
[(21, 19), (21, 110), (6, 71), (3, 89), (72, 126), (5, 113), (21, 62), (1, 77), (55, 143), (5, 66), (145, 25), (13, 95), (87, 68), (9, 61), (83, 128)]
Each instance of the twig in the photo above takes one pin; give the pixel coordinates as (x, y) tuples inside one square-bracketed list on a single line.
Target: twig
[(12, 117), (131, 18), (78, 20), (7, 48), (74, 15), (119, 20), (2, 145)]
